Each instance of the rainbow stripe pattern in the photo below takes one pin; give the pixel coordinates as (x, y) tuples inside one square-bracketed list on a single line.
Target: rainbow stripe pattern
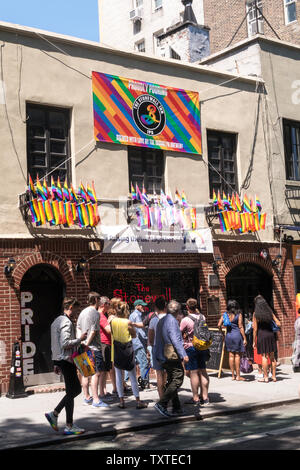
[(114, 102), (245, 217)]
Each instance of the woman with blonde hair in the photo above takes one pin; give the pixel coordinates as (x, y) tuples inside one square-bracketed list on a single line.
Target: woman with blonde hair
[(122, 353)]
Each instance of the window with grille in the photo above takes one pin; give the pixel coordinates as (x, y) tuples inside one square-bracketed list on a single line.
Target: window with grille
[(48, 146), (290, 11), (140, 46), (254, 17), (291, 132), (221, 148), (146, 167)]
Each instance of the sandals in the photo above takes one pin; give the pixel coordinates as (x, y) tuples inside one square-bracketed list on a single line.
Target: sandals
[(263, 380), (191, 401), (141, 405)]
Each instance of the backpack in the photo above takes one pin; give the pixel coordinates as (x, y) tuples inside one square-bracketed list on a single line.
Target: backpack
[(202, 338)]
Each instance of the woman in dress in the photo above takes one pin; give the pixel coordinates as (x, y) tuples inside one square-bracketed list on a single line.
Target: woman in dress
[(123, 331), (235, 339), (263, 335)]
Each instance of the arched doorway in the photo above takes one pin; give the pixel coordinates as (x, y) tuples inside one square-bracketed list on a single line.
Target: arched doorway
[(244, 282), (41, 292)]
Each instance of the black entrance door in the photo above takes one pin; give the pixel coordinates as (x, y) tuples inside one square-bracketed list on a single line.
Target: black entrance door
[(245, 282), (42, 291)]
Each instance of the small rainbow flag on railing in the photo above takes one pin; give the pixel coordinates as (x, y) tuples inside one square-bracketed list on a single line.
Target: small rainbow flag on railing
[(62, 206)]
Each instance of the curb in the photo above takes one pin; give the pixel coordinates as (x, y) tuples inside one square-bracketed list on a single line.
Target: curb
[(163, 422)]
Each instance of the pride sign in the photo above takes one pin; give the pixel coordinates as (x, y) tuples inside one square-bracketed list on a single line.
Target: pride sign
[(132, 112)]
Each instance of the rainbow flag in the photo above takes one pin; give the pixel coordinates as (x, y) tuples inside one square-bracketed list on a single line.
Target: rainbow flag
[(82, 193), (214, 197), (246, 204), (56, 213), (144, 196), (133, 193), (58, 190), (258, 204), (238, 202), (220, 204), (65, 190), (193, 218), (263, 221), (73, 195), (31, 187), (125, 109), (42, 211), (139, 194), (183, 199), (34, 209), (40, 190), (69, 213)]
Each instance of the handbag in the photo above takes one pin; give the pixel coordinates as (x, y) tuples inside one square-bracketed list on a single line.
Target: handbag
[(123, 354), (245, 366), (170, 352), (226, 321), (274, 326)]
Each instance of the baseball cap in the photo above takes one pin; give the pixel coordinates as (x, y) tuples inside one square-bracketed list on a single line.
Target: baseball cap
[(139, 302)]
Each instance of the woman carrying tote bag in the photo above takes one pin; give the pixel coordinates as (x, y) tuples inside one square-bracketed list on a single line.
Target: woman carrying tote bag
[(123, 354)]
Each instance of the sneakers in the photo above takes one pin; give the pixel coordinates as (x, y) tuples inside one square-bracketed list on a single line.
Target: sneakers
[(88, 401), (52, 419), (73, 430), (100, 404), (163, 411)]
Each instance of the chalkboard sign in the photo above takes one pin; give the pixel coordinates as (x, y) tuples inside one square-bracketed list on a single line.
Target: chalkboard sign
[(217, 351)]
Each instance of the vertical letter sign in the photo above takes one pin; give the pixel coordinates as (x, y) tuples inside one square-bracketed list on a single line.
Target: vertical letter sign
[(143, 114)]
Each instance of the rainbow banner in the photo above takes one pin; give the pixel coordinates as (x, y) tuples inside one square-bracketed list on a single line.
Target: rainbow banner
[(131, 112)]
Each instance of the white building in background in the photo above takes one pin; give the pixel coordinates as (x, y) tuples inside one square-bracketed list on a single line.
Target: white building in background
[(167, 28)]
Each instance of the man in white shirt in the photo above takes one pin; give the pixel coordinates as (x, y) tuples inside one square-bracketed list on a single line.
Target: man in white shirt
[(89, 321)]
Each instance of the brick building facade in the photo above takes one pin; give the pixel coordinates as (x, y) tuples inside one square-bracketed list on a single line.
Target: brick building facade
[(228, 23)]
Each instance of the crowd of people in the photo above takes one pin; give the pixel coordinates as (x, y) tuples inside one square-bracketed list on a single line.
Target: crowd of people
[(162, 340)]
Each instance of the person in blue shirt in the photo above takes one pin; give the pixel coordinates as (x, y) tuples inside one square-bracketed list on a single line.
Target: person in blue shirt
[(140, 342), (168, 333)]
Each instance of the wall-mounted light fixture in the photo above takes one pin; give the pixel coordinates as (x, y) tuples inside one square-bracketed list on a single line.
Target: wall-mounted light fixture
[(10, 266), (81, 265), (276, 261), (216, 263)]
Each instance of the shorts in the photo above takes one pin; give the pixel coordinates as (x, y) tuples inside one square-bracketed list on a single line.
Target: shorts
[(197, 359), (106, 353), (99, 362)]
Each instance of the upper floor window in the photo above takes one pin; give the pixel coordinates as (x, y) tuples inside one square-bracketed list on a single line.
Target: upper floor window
[(138, 3), (137, 26), (290, 11), (254, 17), (291, 133), (146, 168), (221, 148), (140, 46), (48, 146)]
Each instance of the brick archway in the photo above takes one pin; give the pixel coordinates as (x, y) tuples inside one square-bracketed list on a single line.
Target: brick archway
[(64, 268), (243, 258)]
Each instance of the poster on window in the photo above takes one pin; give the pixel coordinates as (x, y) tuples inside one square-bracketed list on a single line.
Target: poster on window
[(143, 114)]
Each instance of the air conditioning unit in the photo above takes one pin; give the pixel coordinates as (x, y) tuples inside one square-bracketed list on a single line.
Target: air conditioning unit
[(136, 14)]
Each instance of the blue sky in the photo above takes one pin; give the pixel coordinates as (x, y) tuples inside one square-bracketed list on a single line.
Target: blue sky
[(72, 17)]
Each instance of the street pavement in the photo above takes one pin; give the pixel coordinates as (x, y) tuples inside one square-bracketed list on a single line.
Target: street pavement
[(23, 424)]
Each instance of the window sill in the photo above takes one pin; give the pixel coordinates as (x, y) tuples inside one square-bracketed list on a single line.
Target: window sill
[(291, 23)]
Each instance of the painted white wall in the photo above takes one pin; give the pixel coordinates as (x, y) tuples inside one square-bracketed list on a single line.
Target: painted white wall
[(116, 28)]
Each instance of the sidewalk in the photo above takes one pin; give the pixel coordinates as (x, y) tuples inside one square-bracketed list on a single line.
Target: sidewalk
[(22, 421)]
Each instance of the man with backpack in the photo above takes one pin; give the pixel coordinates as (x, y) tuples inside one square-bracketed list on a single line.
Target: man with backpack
[(196, 335)]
